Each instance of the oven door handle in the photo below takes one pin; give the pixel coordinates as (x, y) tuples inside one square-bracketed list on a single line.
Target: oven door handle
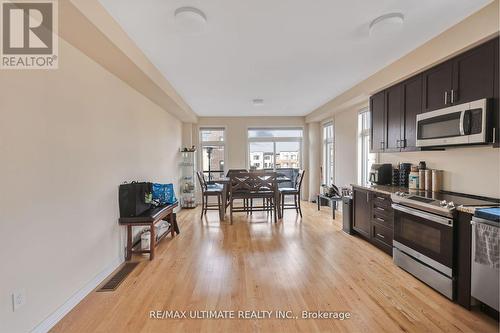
[(435, 218)]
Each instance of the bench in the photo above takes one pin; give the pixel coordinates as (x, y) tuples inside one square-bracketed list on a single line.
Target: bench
[(324, 200), (149, 219)]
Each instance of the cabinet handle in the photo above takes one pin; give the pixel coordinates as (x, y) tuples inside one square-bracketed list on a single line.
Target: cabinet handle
[(445, 97), (452, 96), (380, 219), (381, 198), (494, 135), (380, 208), (367, 197), (380, 235)]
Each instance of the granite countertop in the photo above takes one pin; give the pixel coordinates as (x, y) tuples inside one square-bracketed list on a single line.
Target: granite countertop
[(389, 189), (385, 189)]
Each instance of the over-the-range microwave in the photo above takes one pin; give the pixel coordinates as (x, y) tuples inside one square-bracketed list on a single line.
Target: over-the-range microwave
[(466, 123)]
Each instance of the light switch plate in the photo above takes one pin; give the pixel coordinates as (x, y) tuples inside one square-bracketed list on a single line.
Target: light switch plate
[(18, 299)]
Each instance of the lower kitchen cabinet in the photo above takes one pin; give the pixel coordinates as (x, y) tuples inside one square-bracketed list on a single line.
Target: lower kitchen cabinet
[(463, 245), (374, 218), (362, 212)]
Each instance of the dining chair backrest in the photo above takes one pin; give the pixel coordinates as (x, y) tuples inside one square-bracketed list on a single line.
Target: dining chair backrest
[(299, 179), (201, 179), (252, 182), (233, 171)]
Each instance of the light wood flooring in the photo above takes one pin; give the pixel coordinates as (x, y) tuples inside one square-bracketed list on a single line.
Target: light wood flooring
[(295, 265)]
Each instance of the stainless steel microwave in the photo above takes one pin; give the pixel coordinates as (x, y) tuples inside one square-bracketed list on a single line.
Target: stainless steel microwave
[(461, 124)]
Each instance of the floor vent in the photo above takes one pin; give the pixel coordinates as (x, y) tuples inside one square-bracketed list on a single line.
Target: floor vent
[(119, 277)]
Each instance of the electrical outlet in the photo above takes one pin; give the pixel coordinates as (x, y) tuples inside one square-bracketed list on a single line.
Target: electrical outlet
[(18, 299)]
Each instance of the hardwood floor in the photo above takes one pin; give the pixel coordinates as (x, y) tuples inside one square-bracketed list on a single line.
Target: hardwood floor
[(257, 265)]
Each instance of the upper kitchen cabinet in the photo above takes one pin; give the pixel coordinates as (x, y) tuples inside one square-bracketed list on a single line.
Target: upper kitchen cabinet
[(377, 129), (412, 105), (437, 86), (394, 114), (496, 92), (473, 74)]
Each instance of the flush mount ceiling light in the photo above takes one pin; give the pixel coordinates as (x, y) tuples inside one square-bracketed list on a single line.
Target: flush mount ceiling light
[(190, 20), (386, 23), (258, 101)]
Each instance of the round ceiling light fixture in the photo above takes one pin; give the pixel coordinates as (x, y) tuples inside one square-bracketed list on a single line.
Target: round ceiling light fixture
[(190, 20), (386, 23), (257, 101)]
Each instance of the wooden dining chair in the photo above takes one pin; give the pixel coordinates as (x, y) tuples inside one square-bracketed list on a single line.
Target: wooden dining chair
[(207, 192), (253, 185), (295, 191)]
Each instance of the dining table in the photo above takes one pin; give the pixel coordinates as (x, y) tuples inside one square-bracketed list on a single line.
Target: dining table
[(224, 181)]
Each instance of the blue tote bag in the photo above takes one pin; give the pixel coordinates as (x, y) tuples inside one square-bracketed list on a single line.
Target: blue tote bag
[(164, 194)]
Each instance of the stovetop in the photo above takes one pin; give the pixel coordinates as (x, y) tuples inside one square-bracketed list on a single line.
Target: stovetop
[(443, 203)]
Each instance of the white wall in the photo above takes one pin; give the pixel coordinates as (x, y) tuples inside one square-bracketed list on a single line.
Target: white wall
[(471, 170), (345, 126), (68, 138)]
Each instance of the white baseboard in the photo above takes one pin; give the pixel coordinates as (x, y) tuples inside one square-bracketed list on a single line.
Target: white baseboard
[(57, 315)]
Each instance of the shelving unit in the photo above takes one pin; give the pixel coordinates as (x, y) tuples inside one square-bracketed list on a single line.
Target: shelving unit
[(187, 181)]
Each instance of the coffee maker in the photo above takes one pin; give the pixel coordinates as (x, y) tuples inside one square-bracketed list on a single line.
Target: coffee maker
[(381, 174)]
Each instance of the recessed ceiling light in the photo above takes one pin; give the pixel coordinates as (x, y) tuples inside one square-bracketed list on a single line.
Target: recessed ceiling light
[(258, 101), (190, 20), (386, 23)]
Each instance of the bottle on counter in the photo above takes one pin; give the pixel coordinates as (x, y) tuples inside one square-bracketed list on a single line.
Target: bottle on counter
[(428, 180), (437, 178), (421, 180), (413, 178)]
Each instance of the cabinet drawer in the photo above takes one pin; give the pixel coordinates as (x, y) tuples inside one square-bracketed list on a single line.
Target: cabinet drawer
[(382, 234), (382, 219), (381, 200), (381, 209)]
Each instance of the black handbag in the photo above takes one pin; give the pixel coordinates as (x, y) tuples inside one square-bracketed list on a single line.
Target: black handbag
[(134, 198)]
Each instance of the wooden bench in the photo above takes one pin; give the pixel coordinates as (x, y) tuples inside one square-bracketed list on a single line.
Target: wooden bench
[(149, 218)]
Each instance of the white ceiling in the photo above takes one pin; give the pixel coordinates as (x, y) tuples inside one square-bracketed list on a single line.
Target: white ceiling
[(294, 54)]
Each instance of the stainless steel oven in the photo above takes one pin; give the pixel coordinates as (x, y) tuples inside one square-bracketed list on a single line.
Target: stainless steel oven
[(423, 246), (466, 123)]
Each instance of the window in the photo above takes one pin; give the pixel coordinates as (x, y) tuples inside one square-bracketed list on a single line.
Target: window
[(212, 152), (365, 158), (328, 154), (277, 147)]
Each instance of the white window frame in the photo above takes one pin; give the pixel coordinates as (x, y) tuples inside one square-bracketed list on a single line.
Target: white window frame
[(212, 143), (328, 175), (363, 151), (275, 140)]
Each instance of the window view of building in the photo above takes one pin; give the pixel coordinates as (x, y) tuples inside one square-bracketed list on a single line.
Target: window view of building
[(274, 148), (212, 152)]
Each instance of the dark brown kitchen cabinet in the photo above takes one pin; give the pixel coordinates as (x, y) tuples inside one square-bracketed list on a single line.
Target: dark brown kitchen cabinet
[(412, 106), (394, 113), (377, 109), (469, 76), (463, 259), (362, 211), (496, 105), (437, 85), (473, 77)]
